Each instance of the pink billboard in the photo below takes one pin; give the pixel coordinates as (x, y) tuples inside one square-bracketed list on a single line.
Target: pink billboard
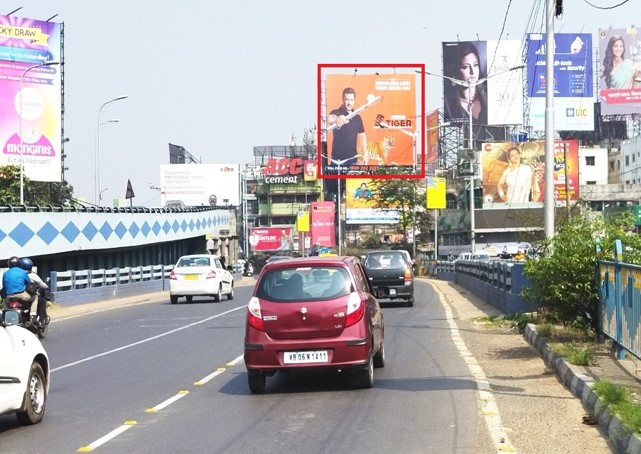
[(619, 71), (272, 239), (322, 224), (30, 87)]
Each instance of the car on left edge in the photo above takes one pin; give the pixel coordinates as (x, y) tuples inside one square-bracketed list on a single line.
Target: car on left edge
[(313, 313), (200, 275), (24, 371)]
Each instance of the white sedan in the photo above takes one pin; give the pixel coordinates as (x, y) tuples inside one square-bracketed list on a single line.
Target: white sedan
[(24, 371), (200, 275)]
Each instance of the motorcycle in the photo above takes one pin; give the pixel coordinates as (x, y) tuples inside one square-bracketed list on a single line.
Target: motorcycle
[(248, 270), (27, 319)]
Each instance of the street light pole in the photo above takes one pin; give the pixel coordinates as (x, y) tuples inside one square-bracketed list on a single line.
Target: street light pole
[(97, 163), (47, 63), (470, 142), (98, 184)]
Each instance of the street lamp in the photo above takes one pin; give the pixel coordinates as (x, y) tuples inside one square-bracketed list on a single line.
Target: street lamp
[(46, 63), (100, 196), (97, 163), (339, 163), (98, 184), (470, 85)]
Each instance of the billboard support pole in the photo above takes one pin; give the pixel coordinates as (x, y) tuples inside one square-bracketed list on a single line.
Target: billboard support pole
[(549, 120), (470, 108)]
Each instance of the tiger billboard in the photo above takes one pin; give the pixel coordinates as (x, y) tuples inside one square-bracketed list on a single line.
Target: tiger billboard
[(371, 122)]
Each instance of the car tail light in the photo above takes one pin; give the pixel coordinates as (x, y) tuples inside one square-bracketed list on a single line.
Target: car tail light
[(355, 309), (407, 276), (172, 275), (254, 317), (14, 304), (211, 275)]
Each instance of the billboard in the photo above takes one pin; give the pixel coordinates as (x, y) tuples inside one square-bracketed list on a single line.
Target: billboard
[(323, 228), (371, 121), (573, 81), (620, 71), (489, 72), (272, 239), (513, 173), (30, 111), (361, 205), (436, 193), (432, 133), (200, 184)]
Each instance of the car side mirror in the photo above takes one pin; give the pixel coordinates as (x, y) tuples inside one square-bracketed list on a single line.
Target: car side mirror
[(10, 318)]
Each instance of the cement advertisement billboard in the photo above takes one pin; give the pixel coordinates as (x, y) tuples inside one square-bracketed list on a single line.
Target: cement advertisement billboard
[(483, 74), (513, 173), (371, 121), (573, 81), (30, 113), (620, 71), (200, 184)]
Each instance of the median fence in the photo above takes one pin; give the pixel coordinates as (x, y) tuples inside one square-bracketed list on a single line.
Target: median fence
[(497, 282)]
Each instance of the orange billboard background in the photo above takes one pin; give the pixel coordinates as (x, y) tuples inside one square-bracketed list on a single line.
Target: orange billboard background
[(392, 145), (432, 133)]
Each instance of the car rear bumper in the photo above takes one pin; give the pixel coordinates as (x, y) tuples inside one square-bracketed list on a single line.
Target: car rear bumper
[(181, 288), (344, 353), (393, 291)]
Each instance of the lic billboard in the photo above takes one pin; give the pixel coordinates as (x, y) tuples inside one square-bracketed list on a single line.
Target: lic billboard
[(573, 81)]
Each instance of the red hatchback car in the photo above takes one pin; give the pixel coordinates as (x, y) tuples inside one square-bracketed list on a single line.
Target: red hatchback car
[(309, 313)]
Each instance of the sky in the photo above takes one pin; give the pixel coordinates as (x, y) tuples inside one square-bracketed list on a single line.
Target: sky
[(222, 77)]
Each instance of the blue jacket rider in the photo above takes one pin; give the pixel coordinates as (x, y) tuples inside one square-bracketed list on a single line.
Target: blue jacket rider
[(15, 280)]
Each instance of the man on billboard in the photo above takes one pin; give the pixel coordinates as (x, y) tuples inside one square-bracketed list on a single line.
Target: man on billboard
[(363, 192), (349, 133)]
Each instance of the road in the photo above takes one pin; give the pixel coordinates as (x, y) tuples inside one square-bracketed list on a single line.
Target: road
[(170, 378)]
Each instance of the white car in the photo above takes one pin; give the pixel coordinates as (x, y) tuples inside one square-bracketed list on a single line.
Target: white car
[(200, 275), (24, 371)]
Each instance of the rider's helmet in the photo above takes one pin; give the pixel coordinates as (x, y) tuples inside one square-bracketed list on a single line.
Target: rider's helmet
[(26, 264), (13, 262)]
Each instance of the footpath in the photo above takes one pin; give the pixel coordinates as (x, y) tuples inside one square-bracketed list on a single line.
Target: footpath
[(545, 405)]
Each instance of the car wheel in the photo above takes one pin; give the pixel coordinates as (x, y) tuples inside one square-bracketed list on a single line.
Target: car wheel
[(218, 295), (189, 298), (230, 295), (35, 397), (366, 375), (257, 381), (379, 357), (173, 299)]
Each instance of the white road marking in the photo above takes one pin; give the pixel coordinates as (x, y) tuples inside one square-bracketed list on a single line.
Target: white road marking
[(204, 380), (149, 339), (489, 409), (168, 402), (102, 440), (233, 362)]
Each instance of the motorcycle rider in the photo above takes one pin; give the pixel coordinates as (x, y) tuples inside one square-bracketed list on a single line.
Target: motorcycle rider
[(14, 282), (27, 264)]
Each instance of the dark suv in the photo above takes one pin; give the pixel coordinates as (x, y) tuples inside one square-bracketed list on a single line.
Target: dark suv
[(391, 275)]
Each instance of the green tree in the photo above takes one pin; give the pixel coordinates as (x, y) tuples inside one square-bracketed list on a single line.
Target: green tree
[(404, 194), (36, 193), (563, 281)]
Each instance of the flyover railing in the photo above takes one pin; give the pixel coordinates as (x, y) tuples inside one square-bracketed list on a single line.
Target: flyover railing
[(497, 282)]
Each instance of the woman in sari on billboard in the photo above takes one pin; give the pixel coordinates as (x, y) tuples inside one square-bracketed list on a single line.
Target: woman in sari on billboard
[(519, 182), (463, 63), (617, 71)]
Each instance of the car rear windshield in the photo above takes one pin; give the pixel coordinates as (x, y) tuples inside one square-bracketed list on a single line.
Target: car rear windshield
[(381, 260), (304, 284), (193, 261)]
